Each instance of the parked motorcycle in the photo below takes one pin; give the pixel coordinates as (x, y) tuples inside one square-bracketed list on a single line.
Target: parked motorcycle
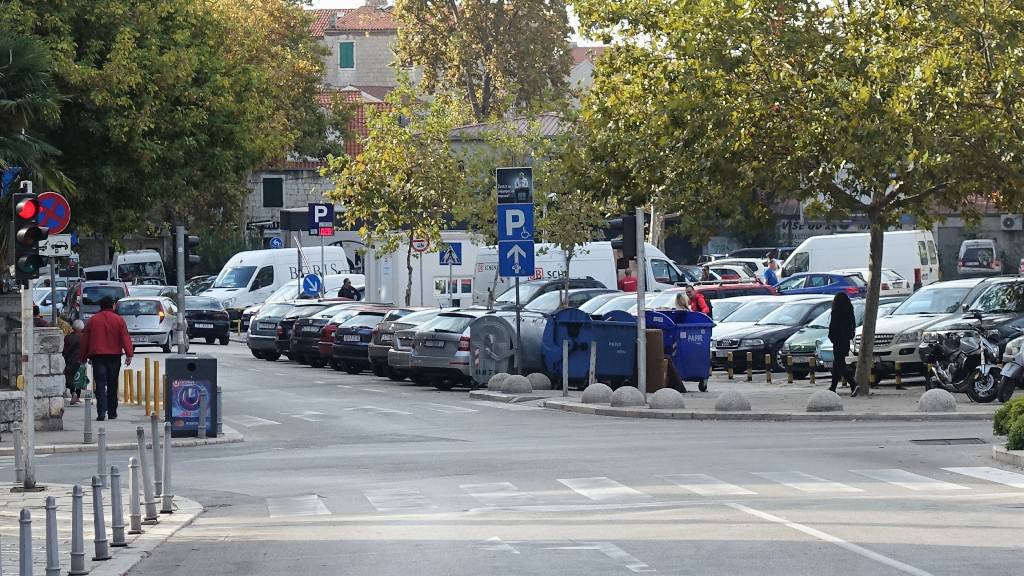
[(968, 364), (1012, 377)]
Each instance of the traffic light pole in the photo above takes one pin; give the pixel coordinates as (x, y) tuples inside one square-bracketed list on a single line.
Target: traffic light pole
[(179, 254), (29, 412)]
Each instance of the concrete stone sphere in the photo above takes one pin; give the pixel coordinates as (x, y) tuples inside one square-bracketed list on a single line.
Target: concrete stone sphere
[(732, 401), (667, 399), (516, 385), (540, 381), (626, 396), (936, 400), (597, 393), (494, 384), (824, 401)]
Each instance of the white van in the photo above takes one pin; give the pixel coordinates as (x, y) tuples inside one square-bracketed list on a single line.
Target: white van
[(910, 253), (978, 258), (250, 277), (138, 266), (595, 260)]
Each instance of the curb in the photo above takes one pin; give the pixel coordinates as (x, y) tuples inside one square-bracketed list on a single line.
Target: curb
[(229, 437), (605, 410), (504, 398), (1011, 457), (143, 545)]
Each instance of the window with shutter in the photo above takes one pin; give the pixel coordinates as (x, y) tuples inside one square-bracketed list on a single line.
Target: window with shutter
[(347, 55), (273, 192)]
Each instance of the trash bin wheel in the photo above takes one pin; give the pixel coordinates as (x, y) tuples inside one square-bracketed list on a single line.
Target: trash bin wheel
[(702, 385)]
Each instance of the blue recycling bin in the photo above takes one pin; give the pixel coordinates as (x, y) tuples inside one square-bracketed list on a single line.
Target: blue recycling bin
[(687, 337), (615, 339)]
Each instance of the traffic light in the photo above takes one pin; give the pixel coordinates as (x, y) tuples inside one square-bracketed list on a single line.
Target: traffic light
[(191, 258), (27, 235)]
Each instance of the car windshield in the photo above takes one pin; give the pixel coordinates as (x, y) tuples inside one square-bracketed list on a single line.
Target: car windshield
[(287, 292), (134, 270), (417, 318), (937, 300), (237, 277), (275, 310), (1003, 297), (138, 307), (340, 317), (858, 314), (665, 299), (791, 314), (526, 292), (200, 303), (448, 323), (592, 305), (91, 295), (546, 303), (364, 320), (306, 311), (722, 310), (792, 283), (754, 311)]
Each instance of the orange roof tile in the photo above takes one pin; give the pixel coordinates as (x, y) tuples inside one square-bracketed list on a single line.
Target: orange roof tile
[(366, 18), (583, 53)]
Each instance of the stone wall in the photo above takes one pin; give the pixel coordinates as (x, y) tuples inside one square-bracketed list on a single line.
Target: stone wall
[(48, 371)]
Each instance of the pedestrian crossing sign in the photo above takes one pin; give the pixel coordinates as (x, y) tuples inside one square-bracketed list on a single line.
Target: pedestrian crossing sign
[(451, 254)]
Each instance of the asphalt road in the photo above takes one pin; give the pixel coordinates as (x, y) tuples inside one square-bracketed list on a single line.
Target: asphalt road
[(356, 475)]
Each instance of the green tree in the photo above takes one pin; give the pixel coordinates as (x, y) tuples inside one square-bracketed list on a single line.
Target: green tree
[(497, 55), (865, 106), (399, 187)]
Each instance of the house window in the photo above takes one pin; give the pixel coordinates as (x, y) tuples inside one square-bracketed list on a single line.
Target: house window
[(273, 192), (347, 55)]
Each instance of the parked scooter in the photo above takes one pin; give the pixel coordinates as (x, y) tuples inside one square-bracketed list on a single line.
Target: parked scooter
[(968, 364)]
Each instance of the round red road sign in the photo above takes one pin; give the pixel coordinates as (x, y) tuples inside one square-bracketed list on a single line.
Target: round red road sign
[(54, 212), (420, 244)]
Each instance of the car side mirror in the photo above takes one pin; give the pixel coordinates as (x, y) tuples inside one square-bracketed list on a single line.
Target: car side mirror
[(965, 307)]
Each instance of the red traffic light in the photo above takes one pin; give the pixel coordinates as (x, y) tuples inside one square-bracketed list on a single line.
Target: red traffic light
[(27, 209)]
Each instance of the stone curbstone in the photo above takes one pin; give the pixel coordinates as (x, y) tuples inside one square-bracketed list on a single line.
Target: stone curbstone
[(824, 401), (539, 381), (667, 399), (495, 382), (732, 401), (597, 393), (177, 443), (516, 385), (1010, 457), (628, 396)]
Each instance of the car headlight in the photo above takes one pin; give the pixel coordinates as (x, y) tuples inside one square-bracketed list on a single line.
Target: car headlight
[(1012, 348), (229, 303), (754, 342), (909, 337), (930, 337)]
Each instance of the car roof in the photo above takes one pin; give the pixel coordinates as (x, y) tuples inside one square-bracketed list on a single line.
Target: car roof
[(143, 299)]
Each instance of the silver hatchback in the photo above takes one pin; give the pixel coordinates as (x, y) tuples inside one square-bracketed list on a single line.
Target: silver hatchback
[(440, 349), (151, 320)]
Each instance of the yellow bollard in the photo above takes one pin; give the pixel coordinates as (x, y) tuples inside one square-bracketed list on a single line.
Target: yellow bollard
[(768, 368), (123, 396), (145, 396), (750, 366), (138, 387), (147, 374), (789, 368), (128, 386), (814, 366), (899, 375), (729, 368)]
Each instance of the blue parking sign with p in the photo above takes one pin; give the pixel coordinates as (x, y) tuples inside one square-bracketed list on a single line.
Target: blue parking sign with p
[(515, 222)]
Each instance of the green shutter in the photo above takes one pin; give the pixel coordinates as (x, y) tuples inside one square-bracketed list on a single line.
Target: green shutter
[(346, 55)]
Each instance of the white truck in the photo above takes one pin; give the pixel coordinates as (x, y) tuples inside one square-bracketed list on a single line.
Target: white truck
[(911, 253)]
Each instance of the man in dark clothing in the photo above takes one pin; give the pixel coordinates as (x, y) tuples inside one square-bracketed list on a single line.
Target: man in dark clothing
[(37, 318), (348, 291), (73, 359), (104, 339)]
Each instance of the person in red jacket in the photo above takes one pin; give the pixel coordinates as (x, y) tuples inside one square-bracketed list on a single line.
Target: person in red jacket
[(104, 339), (697, 301), (627, 283)]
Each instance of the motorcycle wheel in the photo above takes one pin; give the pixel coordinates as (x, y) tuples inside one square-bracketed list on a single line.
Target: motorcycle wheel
[(1006, 388), (983, 386)]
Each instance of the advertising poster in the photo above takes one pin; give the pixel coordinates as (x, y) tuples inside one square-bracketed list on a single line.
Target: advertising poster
[(515, 185), (183, 406)]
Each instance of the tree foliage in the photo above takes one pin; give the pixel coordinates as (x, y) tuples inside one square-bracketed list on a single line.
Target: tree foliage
[(498, 55), (856, 106)]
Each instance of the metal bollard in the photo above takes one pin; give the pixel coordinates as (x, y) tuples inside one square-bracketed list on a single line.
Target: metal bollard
[(77, 533), (565, 368), (729, 365), (101, 455), (52, 550), (99, 539), (147, 482), (750, 366), (899, 376), (203, 407), (87, 433), (789, 368), (814, 366), (134, 506), (768, 368), (19, 453), (116, 509), (167, 496), (124, 387), (592, 374), (25, 543), (158, 461), (220, 411)]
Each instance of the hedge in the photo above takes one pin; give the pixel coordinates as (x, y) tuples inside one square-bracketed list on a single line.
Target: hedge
[(1009, 421)]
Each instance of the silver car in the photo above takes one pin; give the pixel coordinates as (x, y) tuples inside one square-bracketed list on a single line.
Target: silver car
[(151, 320), (440, 349)]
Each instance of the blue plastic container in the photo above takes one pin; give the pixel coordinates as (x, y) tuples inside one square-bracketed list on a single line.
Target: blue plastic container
[(687, 337), (614, 337)]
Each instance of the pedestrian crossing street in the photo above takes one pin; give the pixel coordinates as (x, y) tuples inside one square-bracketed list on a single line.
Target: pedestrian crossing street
[(584, 492)]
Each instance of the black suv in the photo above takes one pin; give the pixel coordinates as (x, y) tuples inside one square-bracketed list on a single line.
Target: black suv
[(999, 308), (531, 289)]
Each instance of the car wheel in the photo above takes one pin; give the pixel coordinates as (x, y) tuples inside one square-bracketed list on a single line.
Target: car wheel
[(303, 359), (210, 339), (353, 369), (378, 370), (421, 380), (337, 365), (318, 362), (225, 340), (393, 375), (271, 356), (778, 362), (256, 354), (444, 385)]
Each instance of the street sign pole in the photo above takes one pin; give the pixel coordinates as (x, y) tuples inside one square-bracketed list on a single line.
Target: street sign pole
[(641, 320), (323, 264), (53, 291), (27, 347), (519, 338), (179, 252)]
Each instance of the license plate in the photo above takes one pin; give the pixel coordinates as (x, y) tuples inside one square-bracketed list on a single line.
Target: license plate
[(138, 338), (801, 360), (350, 338), (266, 326), (721, 354), (434, 343), (310, 329), (387, 337), (203, 325)]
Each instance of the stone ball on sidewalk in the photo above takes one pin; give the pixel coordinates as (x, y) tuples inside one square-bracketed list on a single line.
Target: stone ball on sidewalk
[(667, 399), (824, 401), (516, 385), (627, 396), (732, 401), (540, 381), (494, 384), (936, 400), (597, 393)]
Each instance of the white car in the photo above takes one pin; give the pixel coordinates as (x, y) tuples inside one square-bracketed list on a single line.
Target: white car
[(892, 283), (756, 266), (151, 320)]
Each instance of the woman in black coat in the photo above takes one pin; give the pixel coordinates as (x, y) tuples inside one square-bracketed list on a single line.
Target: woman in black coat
[(840, 332)]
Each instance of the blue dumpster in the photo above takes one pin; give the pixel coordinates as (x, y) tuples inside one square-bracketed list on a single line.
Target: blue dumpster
[(615, 340), (687, 337)]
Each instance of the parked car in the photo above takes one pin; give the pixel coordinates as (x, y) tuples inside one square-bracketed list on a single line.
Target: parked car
[(911, 253), (196, 285), (898, 336), (553, 301), (998, 311), (767, 335), (400, 353), (978, 258), (532, 289), (42, 297), (325, 347), (748, 314), (724, 307), (83, 300), (594, 304), (262, 332), (383, 337), (283, 341), (892, 284), (705, 258), (781, 252), (440, 348), (823, 283), (624, 302), (731, 272), (824, 350), (755, 266), (207, 319), (352, 340), (307, 332), (151, 320), (716, 292), (153, 290)]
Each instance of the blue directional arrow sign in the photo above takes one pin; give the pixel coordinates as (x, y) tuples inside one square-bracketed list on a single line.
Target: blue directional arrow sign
[(312, 285), (276, 242), (515, 258)]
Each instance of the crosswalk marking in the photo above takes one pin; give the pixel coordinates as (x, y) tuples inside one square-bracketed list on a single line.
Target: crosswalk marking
[(250, 421), (806, 482), (499, 494), (306, 505), (398, 500), (446, 408), (992, 475), (705, 485), (908, 480), (377, 410), (600, 488)]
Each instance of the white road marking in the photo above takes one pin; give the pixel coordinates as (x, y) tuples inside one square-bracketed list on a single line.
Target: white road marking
[(445, 408), (308, 415), (373, 390), (397, 500), (307, 505), (600, 488), (825, 537), (250, 421), (498, 494), (343, 386), (706, 485), (612, 551), (281, 374), (806, 482), (504, 405), (992, 475), (496, 544), (377, 410), (909, 480)]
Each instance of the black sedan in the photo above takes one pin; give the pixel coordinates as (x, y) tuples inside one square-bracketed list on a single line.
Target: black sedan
[(206, 318), (768, 335)]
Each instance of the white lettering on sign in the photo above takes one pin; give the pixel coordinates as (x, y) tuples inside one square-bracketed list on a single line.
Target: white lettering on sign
[(514, 219), (320, 212)]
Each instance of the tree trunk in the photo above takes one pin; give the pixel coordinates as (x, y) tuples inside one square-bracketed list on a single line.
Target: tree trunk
[(865, 358), (408, 269), (565, 278)]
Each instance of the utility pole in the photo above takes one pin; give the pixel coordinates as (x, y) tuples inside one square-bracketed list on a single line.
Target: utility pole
[(641, 318)]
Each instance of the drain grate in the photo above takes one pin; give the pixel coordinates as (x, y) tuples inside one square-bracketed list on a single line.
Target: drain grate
[(948, 441)]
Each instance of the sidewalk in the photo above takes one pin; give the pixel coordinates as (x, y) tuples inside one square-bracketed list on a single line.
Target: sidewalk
[(139, 545)]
